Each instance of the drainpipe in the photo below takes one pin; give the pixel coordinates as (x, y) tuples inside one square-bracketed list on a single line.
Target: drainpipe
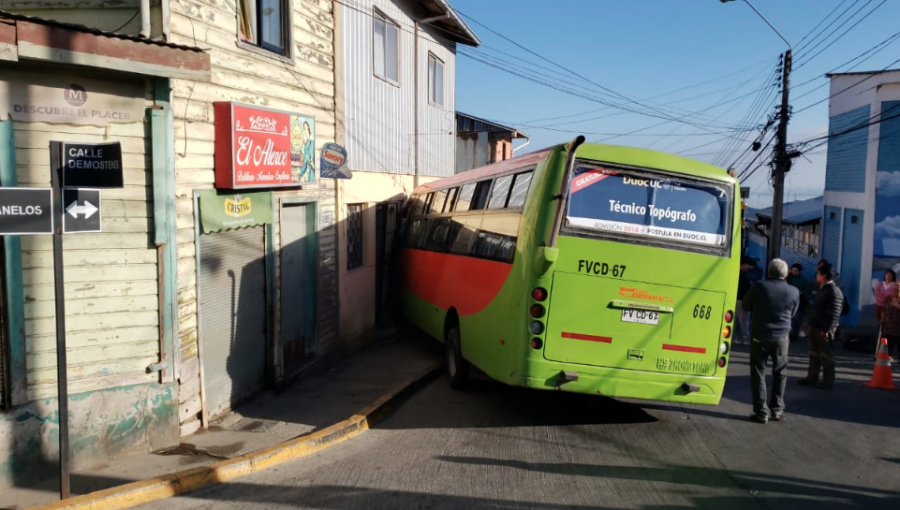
[(416, 92), (527, 141), (145, 18)]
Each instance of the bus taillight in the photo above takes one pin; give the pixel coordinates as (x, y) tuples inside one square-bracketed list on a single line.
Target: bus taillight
[(536, 327), (536, 311), (721, 362), (729, 316), (536, 343), (539, 294), (726, 332)]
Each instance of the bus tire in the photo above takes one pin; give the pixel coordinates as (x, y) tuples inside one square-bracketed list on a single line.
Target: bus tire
[(458, 369)]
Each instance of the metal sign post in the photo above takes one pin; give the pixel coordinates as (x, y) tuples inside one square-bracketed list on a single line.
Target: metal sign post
[(61, 364)]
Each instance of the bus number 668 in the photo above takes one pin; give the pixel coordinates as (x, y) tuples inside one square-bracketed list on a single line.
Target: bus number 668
[(702, 312)]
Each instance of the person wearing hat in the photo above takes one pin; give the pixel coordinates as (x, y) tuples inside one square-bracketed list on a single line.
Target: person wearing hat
[(742, 329)]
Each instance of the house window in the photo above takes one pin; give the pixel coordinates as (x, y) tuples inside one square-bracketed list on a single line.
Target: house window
[(435, 80), (264, 23), (387, 50), (354, 236)]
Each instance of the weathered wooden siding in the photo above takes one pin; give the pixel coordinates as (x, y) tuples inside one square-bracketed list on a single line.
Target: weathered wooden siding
[(305, 86), (112, 323), (380, 116)]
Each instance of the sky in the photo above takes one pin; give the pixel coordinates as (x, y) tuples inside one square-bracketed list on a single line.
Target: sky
[(638, 64)]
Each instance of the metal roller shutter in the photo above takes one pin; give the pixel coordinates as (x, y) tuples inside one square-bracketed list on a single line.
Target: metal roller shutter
[(232, 316)]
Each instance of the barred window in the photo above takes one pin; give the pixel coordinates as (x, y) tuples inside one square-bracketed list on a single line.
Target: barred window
[(354, 236)]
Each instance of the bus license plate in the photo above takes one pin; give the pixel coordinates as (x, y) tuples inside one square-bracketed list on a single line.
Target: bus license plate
[(640, 316)]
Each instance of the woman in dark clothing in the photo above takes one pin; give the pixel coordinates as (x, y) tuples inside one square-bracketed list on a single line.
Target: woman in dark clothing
[(890, 323)]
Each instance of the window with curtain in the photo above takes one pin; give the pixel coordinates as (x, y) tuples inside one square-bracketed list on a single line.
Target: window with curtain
[(263, 23)]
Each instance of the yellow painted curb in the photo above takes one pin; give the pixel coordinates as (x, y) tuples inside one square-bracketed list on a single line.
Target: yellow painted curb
[(166, 486)]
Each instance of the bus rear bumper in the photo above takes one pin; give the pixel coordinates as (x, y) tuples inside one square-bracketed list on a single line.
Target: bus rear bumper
[(631, 384)]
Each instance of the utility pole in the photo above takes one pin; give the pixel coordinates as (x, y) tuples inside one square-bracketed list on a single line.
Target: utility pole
[(781, 161)]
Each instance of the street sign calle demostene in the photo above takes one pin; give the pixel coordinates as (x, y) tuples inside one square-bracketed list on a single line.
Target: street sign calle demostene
[(91, 165), (26, 211), (82, 210)]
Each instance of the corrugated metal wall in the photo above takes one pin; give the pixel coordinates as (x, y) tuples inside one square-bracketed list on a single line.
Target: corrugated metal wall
[(111, 278), (845, 169), (437, 125), (831, 234), (379, 115), (246, 76)]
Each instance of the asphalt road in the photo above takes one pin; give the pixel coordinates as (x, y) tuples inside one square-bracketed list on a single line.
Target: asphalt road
[(505, 448)]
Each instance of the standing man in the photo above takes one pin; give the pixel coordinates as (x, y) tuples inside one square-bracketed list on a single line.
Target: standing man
[(799, 282), (823, 323), (773, 304)]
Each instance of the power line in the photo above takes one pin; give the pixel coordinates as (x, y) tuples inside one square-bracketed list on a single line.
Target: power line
[(868, 123), (871, 52), (835, 20), (869, 77), (838, 6), (574, 92), (762, 90), (651, 111), (838, 38)]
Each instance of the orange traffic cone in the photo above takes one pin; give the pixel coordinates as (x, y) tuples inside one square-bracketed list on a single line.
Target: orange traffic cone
[(881, 376)]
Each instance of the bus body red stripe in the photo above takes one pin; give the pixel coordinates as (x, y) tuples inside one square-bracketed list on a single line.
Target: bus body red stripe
[(445, 280), (684, 348), (589, 338)]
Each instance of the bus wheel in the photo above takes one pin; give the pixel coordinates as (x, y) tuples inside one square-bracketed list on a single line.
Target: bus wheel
[(457, 367)]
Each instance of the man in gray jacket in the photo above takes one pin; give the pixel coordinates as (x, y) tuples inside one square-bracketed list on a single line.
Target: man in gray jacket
[(774, 304), (823, 324)]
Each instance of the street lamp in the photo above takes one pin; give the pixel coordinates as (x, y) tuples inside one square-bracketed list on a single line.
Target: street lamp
[(781, 157)]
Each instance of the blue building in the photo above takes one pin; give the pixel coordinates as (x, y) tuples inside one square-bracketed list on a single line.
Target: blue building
[(861, 225)]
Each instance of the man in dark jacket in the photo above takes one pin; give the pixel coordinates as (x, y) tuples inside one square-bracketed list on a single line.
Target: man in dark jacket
[(823, 323), (773, 304)]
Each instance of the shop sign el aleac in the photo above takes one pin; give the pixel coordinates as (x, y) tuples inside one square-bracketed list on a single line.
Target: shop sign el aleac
[(263, 148)]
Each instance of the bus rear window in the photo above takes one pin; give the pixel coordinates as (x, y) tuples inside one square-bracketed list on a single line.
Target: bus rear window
[(659, 207)]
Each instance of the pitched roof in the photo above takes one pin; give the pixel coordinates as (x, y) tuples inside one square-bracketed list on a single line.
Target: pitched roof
[(466, 123), (798, 212)]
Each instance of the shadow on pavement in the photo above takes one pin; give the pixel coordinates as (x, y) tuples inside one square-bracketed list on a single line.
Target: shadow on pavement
[(706, 477), (491, 404), (336, 497)]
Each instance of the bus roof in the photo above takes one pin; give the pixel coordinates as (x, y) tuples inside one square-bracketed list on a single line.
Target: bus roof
[(632, 156)]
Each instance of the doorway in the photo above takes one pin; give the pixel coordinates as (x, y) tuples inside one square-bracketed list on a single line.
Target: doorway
[(387, 222), (298, 282)]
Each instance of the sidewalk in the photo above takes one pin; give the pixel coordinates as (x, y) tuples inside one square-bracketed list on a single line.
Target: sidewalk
[(308, 405)]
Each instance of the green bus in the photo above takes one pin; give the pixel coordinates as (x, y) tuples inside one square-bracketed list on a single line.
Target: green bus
[(587, 268)]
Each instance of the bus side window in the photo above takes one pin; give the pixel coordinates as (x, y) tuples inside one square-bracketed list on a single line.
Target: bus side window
[(451, 200), (479, 200), (440, 198), (429, 199), (520, 189), (465, 197), (500, 193)]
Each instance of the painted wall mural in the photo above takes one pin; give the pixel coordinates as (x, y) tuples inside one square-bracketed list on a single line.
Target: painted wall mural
[(886, 252)]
